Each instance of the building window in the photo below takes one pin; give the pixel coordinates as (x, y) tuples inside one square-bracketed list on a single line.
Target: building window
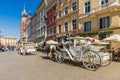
[(48, 13), (41, 13), (74, 22), (41, 31), (51, 20), (87, 26), (66, 27), (54, 30), (54, 7), (104, 22), (48, 32), (44, 30), (104, 2), (87, 7), (60, 14), (54, 18), (51, 31), (47, 22), (74, 6), (59, 28), (66, 10), (59, 2)]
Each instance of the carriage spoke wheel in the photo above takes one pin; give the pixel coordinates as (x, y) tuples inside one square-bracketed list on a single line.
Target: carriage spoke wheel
[(59, 57), (107, 62), (91, 60)]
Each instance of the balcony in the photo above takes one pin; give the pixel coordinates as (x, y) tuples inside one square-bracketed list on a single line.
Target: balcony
[(51, 25), (103, 7), (52, 15)]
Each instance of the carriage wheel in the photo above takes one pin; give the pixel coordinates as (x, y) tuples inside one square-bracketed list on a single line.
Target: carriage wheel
[(107, 62), (24, 53), (59, 57), (91, 60)]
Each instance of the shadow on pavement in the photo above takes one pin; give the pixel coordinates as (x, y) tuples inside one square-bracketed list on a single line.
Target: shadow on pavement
[(45, 57), (67, 62), (73, 63)]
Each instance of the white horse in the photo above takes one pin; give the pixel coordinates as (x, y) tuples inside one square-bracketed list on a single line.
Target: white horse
[(52, 49)]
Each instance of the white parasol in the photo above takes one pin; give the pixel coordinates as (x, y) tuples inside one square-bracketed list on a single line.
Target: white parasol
[(115, 37)]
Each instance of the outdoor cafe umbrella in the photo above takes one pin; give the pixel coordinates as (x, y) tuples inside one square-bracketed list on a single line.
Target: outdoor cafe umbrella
[(52, 42), (115, 37)]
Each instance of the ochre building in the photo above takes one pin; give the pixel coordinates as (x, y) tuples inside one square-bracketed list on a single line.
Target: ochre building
[(67, 18), (99, 18)]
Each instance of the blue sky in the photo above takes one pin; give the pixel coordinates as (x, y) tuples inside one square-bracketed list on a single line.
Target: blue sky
[(10, 15)]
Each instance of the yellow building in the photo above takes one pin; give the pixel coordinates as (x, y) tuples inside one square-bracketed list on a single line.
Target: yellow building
[(99, 18), (67, 18)]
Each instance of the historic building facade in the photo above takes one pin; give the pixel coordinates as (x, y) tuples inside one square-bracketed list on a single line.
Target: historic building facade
[(7, 41), (33, 27), (51, 19), (2, 41), (95, 18), (38, 24), (41, 24), (99, 18), (67, 18), (29, 30)]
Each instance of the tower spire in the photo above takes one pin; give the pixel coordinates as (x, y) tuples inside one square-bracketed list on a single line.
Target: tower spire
[(24, 13)]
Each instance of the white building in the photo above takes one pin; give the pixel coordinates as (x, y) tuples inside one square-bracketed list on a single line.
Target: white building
[(29, 31), (39, 23), (2, 41), (5, 41)]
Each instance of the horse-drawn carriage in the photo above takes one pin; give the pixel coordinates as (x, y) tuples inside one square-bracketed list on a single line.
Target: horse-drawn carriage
[(92, 55), (27, 48)]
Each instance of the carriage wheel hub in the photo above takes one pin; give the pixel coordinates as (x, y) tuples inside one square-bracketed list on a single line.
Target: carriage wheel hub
[(91, 60)]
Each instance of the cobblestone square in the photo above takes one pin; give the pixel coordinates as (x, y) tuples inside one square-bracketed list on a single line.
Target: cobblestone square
[(34, 67)]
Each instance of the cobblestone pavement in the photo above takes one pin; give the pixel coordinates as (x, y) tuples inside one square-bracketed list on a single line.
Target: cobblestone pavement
[(33, 67)]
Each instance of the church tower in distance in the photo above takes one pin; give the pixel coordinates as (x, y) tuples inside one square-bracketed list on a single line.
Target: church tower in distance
[(23, 25)]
